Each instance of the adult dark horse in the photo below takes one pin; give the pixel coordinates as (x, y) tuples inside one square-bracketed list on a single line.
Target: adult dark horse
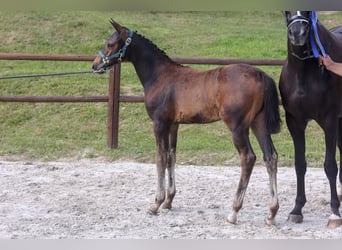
[(310, 92), (240, 95)]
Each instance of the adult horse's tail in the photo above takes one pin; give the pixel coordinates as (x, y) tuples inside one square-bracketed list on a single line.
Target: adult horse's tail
[(271, 104)]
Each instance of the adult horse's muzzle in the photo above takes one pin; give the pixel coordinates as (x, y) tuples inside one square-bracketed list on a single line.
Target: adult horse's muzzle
[(298, 32)]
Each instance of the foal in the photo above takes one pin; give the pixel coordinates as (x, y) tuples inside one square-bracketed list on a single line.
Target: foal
[(240, 95)]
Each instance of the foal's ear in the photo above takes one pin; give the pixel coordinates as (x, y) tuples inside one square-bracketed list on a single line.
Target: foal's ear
[(115, 25)]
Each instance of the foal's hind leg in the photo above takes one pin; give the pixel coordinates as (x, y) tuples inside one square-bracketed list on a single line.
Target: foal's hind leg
[(271, 159), (247, 158)]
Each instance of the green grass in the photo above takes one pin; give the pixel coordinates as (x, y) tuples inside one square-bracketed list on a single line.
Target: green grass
[(50, 131)]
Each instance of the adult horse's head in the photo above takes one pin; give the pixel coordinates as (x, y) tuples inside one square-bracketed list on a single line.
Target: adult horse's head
[(114, 49), (298, 25)]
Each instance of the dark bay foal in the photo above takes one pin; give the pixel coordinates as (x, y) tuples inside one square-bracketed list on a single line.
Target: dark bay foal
[(240, 95)]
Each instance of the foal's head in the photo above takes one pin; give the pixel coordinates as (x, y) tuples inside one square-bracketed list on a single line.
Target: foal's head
[(114, 49), (298, 25)]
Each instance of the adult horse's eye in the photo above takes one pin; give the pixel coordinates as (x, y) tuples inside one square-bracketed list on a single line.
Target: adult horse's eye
[(110, 45)]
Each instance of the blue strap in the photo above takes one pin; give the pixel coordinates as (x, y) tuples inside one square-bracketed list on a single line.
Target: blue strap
[(314, 37), (102, 54)]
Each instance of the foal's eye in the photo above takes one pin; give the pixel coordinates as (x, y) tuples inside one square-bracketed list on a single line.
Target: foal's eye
[(110, 45)]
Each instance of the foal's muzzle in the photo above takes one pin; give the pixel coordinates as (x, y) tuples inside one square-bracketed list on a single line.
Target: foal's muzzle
[(99, 66), (98, 71)]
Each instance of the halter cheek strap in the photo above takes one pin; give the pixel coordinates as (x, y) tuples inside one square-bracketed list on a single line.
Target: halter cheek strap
[(119, 54)]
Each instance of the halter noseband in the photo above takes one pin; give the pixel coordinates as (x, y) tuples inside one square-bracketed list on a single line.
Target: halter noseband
[(297, 18), (119, 54)]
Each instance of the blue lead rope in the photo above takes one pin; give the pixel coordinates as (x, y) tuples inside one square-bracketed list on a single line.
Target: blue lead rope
[(314, 38)]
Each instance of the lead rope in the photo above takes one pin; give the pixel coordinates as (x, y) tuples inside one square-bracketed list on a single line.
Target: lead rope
[(45, 75), (314, 37)]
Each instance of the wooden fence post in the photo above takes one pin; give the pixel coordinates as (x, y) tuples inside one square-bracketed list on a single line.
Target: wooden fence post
[(113, 106)]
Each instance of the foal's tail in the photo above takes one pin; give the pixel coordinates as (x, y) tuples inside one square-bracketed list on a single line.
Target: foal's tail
[(271, 105)]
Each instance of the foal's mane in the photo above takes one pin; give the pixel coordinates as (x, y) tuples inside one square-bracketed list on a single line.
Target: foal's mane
[(159, 52)]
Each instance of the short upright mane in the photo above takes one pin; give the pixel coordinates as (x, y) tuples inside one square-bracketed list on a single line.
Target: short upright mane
[(154, 47)]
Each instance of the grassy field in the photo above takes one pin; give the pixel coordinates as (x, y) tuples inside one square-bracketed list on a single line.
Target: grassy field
[(53, 131)]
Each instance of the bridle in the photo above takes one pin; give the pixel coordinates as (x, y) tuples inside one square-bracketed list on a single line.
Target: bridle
[(315, 46), (120, 54)]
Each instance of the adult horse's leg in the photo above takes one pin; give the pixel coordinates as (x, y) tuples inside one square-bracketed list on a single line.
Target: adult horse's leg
[(247, 158), (297, 131), (271, 160), (330, 167), (161, 132), (171, 162), (339, 186)]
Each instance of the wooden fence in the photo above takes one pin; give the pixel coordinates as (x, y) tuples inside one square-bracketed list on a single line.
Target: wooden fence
[(113, 99)]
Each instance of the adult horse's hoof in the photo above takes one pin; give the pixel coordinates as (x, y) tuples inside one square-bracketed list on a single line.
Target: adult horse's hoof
[(334, 221), (295, 218)]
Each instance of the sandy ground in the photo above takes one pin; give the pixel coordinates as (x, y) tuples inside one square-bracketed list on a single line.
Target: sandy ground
[(94, 200)]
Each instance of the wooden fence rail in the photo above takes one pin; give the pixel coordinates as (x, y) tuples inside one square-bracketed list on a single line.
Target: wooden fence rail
[(113, 99)]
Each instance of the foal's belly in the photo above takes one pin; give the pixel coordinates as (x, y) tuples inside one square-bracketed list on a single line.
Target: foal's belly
[(197, 116)]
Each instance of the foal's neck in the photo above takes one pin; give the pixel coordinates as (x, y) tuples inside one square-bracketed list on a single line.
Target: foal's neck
[(148, 60)]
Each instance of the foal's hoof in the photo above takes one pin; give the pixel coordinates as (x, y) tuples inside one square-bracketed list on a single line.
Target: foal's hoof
[(334, 221), (167, 206), (270, 222), (295, 218), (152, 211), (232, 218)]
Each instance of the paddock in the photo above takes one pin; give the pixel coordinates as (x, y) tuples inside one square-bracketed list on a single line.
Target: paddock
[(94, 199)]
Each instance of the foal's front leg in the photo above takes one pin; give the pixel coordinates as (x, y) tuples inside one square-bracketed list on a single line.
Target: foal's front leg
[(171, 162), (165, 160), (161, 168)]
